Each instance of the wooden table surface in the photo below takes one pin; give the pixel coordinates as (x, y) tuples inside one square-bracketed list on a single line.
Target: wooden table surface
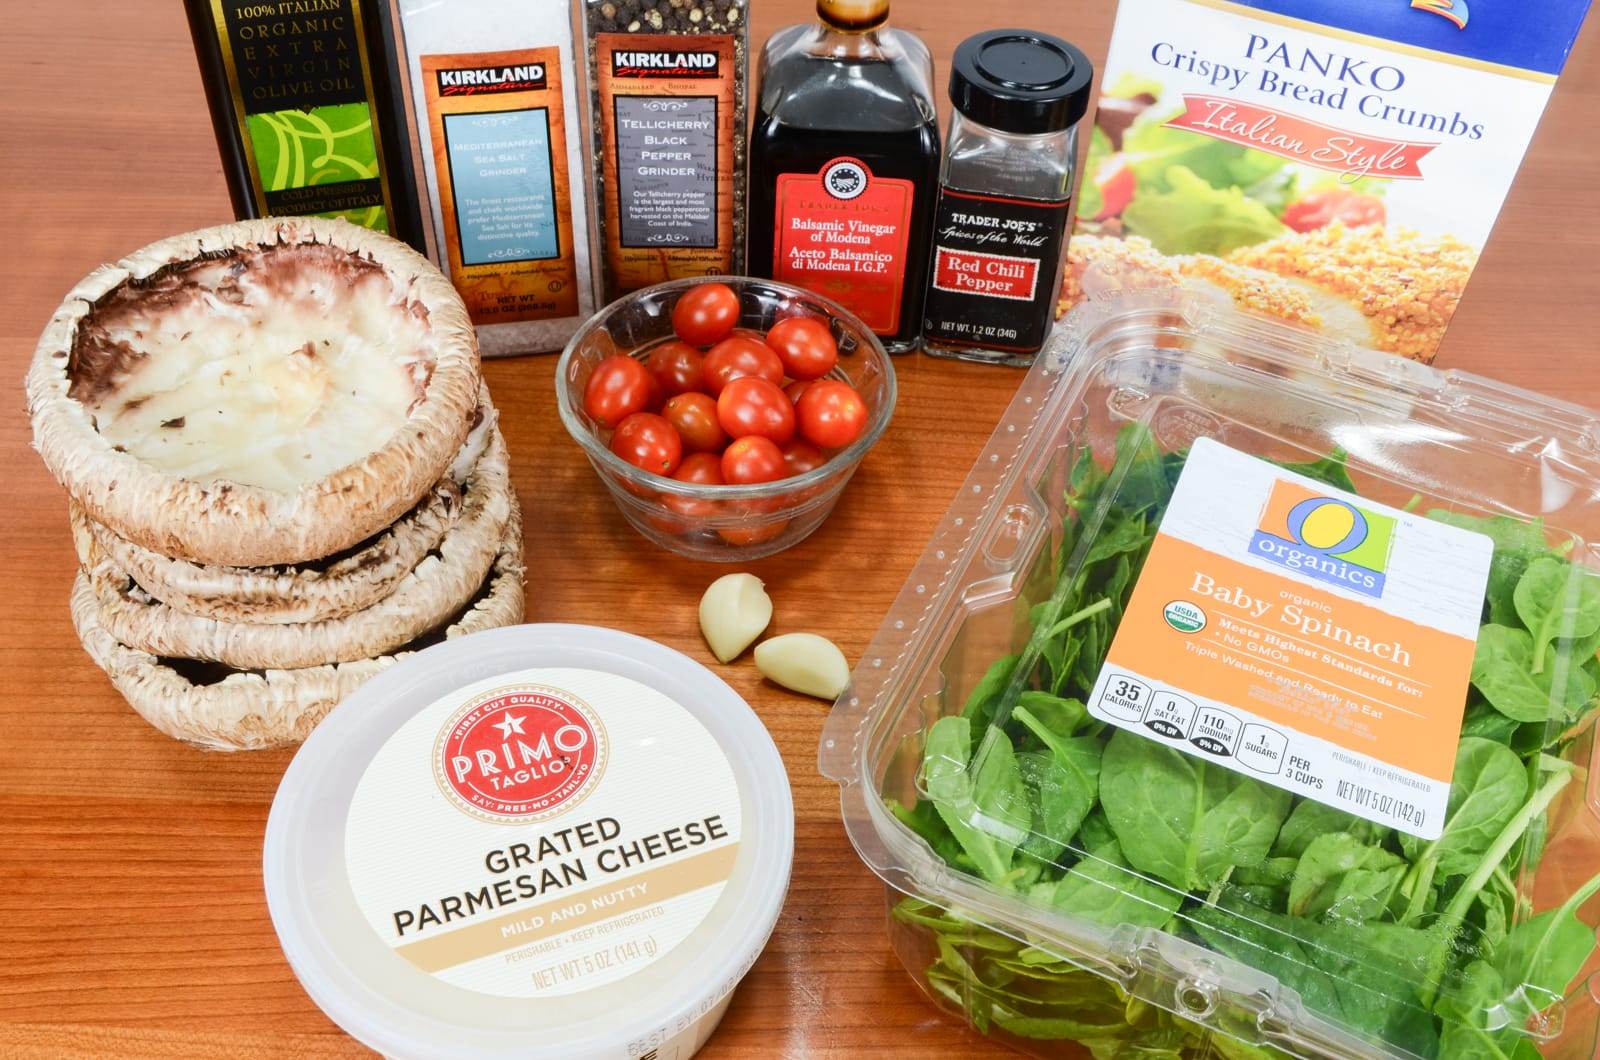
[(131, 915)]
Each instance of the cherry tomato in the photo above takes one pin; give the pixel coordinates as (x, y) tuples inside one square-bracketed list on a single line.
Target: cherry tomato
[(647, 441), (751, 405), (677, 367), (618, 387), (805, 345), (801, 456), (795, 389), (1335, 204), (753, 535), (702, 469), (705, 314), (739, 356), (831, 414), (753, 459), (694, 417)]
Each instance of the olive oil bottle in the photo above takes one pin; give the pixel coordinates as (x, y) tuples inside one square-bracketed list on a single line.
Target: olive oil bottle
[(306, 101)]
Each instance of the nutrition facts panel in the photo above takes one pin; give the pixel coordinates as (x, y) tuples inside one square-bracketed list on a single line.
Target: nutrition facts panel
[(1282, 757)]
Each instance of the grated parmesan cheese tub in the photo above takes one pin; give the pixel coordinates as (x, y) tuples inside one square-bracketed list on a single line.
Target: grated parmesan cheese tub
[(492, 88), (541, 841)]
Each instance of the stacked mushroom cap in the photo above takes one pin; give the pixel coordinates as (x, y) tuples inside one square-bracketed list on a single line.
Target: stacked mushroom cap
[(284, 472)]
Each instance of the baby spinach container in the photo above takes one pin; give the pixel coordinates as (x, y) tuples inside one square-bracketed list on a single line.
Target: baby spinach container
[(1242, 706)]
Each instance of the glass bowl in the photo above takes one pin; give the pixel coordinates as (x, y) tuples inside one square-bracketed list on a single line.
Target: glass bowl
[(722, 523)]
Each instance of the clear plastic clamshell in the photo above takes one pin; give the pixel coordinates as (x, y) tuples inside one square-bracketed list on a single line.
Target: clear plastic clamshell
[(1065, 884)]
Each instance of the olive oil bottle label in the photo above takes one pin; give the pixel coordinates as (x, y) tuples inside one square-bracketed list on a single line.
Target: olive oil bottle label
[(544, 832), (301, 84), (666, 109), (843, 232), (498, 131), (1303, 636)]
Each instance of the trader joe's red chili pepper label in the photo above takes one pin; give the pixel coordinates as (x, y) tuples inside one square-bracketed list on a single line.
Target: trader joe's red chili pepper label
[(842, 232), (994, 270)]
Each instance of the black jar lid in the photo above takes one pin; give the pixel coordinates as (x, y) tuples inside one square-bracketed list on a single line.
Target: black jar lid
[(1020, 81)]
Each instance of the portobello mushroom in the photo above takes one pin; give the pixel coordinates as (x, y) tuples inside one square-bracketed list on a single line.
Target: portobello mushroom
[(442, 582), (265, 392), (328, 588), (224, 709)]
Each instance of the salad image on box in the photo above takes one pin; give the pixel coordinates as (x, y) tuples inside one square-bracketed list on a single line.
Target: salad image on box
[(1337, 164)]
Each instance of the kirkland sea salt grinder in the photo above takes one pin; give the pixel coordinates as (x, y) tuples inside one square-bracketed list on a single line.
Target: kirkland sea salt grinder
[(1005, 195)]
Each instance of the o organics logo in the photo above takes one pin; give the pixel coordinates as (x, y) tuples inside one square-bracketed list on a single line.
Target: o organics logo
[(1454, 10), (519, 754), (845, 179), (1325, 538)]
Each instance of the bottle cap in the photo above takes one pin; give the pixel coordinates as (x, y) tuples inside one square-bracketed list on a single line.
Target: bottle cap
[(853, 14), (1020, 81)]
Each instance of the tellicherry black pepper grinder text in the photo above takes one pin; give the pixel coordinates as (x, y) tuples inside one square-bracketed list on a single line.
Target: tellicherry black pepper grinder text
[(1000, 227), (844, 165)]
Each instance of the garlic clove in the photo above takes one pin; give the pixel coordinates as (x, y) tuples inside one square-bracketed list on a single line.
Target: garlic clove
[(804, 662), (733, 612)]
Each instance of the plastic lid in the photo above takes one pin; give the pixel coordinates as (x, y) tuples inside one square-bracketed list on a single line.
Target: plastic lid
[(1020, 81), (539, 841)]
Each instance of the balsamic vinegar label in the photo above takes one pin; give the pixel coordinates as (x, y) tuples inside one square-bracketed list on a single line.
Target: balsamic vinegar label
[(994, 270), (301, 85), (843, 232)]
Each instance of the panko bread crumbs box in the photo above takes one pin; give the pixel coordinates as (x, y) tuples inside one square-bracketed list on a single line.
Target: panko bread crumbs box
[(1335, 163)]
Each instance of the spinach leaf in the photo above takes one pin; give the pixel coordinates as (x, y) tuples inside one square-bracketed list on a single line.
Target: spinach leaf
[(1465, 1011), (925, 821), (1508, 533), (1144, 486), (1078, 758), (1505, 571), (1502, 669), (1340, 877), (1487, 787), (1086, 478), (1120, 533), (1181, 819), (1546, 952), (1310, 819), (1095, 833), (1331, 469), (987, 812), (1363, 975), (985, 696), (1483, 721), (1555, 599), (1057, 805), (1066, 717), (1103, 889)]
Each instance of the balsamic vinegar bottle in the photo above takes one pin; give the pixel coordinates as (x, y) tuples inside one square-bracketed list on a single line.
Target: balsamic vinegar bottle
[(844, 165), (306, 102)]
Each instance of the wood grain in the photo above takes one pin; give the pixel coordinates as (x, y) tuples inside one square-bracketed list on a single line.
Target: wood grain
[(131, 915)]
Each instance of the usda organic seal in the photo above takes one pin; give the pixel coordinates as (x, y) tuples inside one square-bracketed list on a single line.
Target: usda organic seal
[(1184, 617)]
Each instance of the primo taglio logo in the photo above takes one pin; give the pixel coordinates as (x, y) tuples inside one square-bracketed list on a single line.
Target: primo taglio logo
[(1325, 538), (1454, 10)]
